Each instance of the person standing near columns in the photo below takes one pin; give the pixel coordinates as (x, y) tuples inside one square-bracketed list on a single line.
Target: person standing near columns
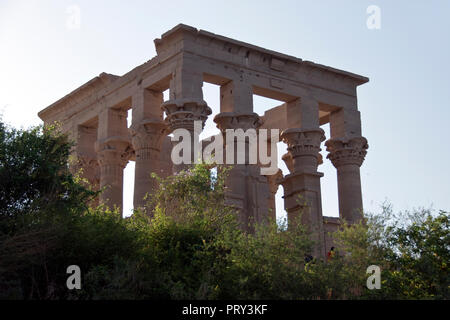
[(113, 150), (148, 131), (302, 192), (347, 150)]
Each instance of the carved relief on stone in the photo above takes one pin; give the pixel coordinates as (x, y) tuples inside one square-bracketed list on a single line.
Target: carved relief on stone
[(90, 168), (114, 152), (287, 158), (235, 120), (343, 151), (147, 138), (182, 113), (319, 159), (243, 121), (303, 142)]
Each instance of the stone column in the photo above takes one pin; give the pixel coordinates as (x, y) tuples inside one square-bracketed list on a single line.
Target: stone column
[(114, 150), (274, 182), (85, 155), (186, 105), (347, 150), (147, 133), (247, 190), (302, 192)]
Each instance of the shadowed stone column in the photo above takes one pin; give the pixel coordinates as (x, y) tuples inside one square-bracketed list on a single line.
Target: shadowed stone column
[(85, 155), (274, 182), (186, 105), (302, 192), (246, 189), (347, 150), (114, 150), (147, 138), (147, 133), (273, 177)]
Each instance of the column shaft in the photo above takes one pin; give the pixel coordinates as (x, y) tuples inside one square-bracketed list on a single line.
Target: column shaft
[(347, 150), (185, 107), (147, 133), (347, 155), (85, 155), (247, 190), (349, 189), (147, 139), (111, 174), (274, 183), (114, 150), (302, 193)]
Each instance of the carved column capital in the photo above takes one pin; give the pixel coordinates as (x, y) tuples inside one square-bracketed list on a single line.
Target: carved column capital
[(303, 142), (344, 151), (114, 151), (181, 113), (89, 165), (236, 120), (303, 147), (147, 137), (86, 160)]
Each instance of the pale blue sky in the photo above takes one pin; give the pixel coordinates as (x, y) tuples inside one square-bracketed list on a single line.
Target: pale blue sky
[(405, 107)]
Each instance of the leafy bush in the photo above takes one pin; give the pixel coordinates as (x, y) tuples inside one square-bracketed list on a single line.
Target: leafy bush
[(187, 244)]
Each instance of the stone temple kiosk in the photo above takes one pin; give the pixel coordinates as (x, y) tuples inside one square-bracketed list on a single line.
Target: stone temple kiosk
[(310, 95)]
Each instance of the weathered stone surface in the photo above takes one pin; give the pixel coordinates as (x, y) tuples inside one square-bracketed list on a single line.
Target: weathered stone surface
[(344, 151), (347, 155), (183, 113), (113, 155), (310, 95), (274, 183), (304, 147), (147, 137)]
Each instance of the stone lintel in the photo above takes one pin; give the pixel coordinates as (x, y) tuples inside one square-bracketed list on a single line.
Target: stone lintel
[(77, 95), (111, 87), (276, 60)]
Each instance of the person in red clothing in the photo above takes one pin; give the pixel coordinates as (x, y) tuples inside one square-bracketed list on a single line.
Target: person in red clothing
[(330, 254)]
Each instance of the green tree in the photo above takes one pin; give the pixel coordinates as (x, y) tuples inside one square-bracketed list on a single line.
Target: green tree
[(45, 223), (187, 243)]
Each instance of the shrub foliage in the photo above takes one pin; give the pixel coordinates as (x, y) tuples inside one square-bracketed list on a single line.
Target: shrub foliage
[(187, 243)]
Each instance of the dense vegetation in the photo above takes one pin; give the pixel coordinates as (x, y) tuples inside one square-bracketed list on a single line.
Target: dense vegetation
[(187, 245)]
